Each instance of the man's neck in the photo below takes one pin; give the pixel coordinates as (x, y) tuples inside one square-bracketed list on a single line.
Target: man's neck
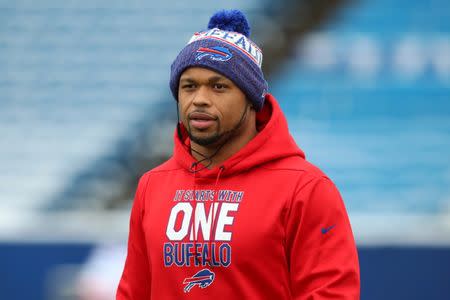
[(233, 145)]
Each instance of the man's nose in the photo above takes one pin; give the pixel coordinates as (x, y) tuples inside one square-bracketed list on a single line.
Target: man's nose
[(202, 97)]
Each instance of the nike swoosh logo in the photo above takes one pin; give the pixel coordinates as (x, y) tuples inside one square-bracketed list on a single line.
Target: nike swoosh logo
[(326, 229)]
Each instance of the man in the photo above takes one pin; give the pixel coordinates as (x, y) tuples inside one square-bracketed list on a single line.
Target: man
[(237, 212)]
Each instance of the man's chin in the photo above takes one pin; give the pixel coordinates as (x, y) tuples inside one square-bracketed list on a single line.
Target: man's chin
[(205, 140)]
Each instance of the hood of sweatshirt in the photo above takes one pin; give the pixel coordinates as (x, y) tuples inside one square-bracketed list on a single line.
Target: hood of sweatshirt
[(273, 142)]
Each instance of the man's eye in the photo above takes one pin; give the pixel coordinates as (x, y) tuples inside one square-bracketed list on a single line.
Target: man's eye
[(219, 86), (188, 86)]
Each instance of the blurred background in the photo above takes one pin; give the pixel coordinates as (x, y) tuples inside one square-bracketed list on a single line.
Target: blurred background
[(85, 109)]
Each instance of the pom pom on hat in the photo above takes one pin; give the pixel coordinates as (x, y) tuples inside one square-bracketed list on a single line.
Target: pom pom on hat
[(230, 20)]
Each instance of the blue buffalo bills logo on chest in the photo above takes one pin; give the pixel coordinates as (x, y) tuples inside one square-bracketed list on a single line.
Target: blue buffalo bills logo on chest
[(202, 279), (216, 53)]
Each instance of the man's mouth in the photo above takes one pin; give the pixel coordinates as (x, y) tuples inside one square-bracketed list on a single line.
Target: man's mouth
[(201, 121)]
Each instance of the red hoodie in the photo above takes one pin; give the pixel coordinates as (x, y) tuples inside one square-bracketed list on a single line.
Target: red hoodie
[(266, 224)]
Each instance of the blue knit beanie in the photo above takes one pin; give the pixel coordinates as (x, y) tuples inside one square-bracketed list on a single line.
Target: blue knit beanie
[(226, 49)]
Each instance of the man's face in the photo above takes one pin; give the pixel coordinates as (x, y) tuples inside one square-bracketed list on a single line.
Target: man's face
[(211, 106)]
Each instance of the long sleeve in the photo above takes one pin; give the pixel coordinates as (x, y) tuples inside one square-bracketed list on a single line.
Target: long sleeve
[(136, 277), (322, 255)]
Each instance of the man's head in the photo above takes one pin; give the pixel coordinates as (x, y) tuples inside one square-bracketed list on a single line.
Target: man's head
[(212, 108), (225, 49)]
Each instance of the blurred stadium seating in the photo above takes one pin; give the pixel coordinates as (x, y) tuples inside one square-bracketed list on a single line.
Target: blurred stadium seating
[(368, 98), (77, 82), (85, 109)]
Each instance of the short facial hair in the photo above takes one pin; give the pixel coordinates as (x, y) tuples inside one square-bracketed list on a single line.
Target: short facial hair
[(216, 137)]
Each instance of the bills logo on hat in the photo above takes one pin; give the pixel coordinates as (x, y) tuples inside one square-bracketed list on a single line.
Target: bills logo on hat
[(214, 53), (202, 278)]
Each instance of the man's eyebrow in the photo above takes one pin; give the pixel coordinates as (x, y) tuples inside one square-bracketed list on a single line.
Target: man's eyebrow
[(215, 79), (187, 80), (212, 79)]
